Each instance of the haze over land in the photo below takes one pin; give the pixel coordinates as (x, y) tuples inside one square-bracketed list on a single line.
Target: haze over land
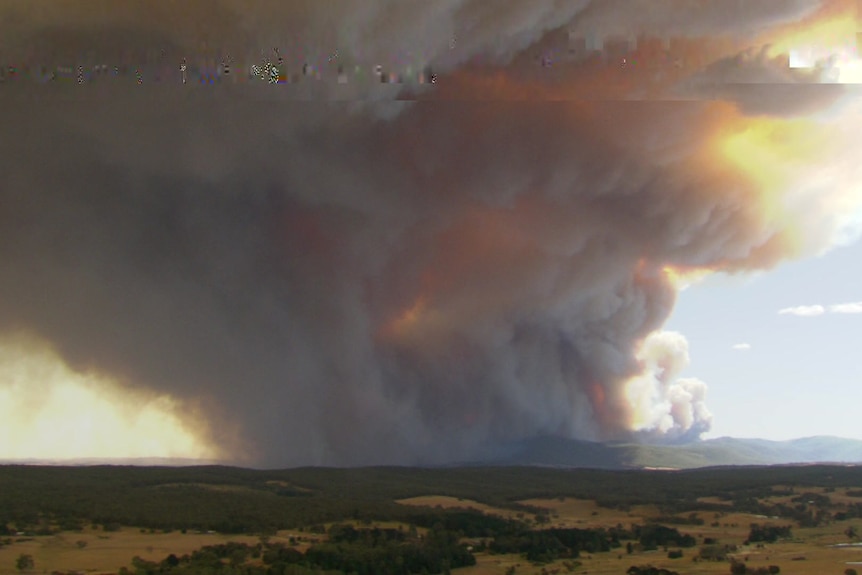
[(339, 270)]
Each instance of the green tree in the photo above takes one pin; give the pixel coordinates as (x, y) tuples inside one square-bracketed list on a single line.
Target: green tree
[(25, 562), (712, 553), (170, 561)]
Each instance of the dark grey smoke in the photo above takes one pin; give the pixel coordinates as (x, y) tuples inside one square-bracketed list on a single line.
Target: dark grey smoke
[(335, 283)]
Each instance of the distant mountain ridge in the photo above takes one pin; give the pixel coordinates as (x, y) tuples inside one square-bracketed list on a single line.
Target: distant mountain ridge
[(561, 452), (136, 461)]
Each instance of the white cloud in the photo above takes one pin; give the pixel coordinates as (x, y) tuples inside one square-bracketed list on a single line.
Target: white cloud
[(815, 310), (741, 346), (854, 307), (803, 310)]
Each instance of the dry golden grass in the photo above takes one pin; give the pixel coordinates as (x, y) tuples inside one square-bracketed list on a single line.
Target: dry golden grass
[(732, 528), (598, 564), (818, 560), (715, 501), (107, 552), (582, 513), (493, 564), (446, 502), (840, 496)]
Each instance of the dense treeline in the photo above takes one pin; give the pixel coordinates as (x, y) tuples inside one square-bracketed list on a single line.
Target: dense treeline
[(852, 511), (470, 523), (768, 533), (652, 536), (437, 552), (547, 545), (233, 500), (691, 519), (375, 551), (349, 550), (739, 568), (648, 570), (807, 509)]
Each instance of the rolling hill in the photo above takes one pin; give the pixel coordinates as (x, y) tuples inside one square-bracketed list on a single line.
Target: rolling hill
[(560, 452), (551, 451)]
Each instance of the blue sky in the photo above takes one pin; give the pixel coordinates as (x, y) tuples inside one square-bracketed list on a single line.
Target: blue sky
[(802, 374)]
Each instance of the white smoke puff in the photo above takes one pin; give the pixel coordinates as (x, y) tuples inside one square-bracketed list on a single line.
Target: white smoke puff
[(688, 400), (662, 403)]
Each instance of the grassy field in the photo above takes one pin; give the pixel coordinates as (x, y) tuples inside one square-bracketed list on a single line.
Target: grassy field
[(582, 513), (808, 553), (107, 552), (446, 502), (715, 497)]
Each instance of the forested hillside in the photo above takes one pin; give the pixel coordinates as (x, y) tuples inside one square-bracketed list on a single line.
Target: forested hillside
[(234, 500)]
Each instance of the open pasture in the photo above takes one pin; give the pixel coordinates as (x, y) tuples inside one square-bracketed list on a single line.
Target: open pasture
[(715, 507), (446, 502), (107, 552)]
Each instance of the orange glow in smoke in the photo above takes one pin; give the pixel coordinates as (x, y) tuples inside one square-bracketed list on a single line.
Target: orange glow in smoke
[(598, 396), (833, 27), (833, 32), (776, 156), (410, 316), (681, 278), (764, 143), (406, 321)]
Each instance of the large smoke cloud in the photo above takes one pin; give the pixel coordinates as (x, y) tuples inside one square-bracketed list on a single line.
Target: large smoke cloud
[(351, 285)]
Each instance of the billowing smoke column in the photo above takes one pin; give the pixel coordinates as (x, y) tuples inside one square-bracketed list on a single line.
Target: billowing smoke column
[(411, 282), (665, 404)]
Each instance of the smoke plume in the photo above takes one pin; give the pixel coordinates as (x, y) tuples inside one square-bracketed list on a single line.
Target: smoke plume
[(331, 275)]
